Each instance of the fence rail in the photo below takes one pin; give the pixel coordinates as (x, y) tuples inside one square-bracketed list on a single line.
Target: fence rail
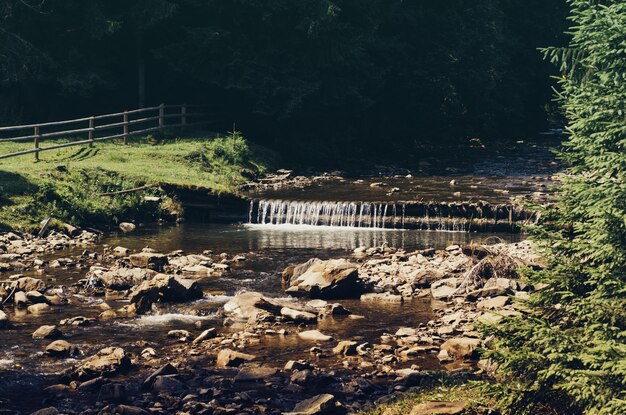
[(88, 130)]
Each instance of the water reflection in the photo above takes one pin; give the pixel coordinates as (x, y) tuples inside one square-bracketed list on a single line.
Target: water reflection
[(195, 237)]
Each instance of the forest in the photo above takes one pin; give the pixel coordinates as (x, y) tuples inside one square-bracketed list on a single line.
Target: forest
[(338, 75)]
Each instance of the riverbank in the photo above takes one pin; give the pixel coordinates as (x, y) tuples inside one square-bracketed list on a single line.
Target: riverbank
[(208, 332), (95, 186)]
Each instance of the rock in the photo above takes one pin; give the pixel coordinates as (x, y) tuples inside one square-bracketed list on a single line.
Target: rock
[(297, 365), (168, 384), (121, 278), (107, 315), (122, 410), (60, 348), (314, 335), (444, 288), (20, 300), (107, 362), (205, 335), (346, 348), (181, 335), (29, 284), (298, 316), (336, 278), (4, 321), (163, 288), (47, 332), (35, 297), (167, 369), (253, 374), (251, 307), (38, 308), (461, 347), (127, 227), (112, 392), (77, 321), (318, 304), (149, 260), (231, 358), (338, 310), (120, 251), (405, 332), (325, 404), (493, 303), (47, 411), (439, 408)]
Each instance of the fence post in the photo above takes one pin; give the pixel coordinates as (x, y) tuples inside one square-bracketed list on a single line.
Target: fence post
[(161, 117), (91, 132), (125, 127), (183, 115), (36, 143)]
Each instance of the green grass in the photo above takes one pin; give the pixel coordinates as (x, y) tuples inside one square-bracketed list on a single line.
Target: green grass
[(67, 183)]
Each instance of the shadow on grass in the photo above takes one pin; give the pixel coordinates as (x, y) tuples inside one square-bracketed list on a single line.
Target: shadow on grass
[(12, 184)]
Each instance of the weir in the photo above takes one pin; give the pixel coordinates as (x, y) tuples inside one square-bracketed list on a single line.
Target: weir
[(433, 216)]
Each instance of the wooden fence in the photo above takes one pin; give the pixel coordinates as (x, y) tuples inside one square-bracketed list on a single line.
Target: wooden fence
[(90, 130)]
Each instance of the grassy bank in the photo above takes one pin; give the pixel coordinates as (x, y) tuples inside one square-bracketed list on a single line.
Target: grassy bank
[(75, 184)]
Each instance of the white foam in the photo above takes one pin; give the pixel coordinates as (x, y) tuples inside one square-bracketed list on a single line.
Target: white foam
[(166, 319)]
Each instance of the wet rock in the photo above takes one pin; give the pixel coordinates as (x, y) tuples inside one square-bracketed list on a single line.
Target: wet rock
[(325, 404), (314, 335), (92, 384), (297, 365), (251, 307), (231, 358), (149, 260), (336, 278), (167, 369), (29, 284), (205, 335), (47, 411), (392, 298), (38, 308), (346, 348), (253, 374), (439, 408), (120, 251), (120, 278), (112, 392), (127, 227), (4, 321), (181, 335), (47, 332), (60, 348), (77, 321), (107, 315), (163, 288), (35, 297), (298, 316), (461, 347), (107, 362), (338, 310)]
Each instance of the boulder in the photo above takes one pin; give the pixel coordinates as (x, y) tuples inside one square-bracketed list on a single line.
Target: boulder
[(461, 347), (336, 278), (60, 348), (168, 384), (167, 369), (149, 260), (47, 332), (163, 288), (112, 392), (325, 404), (38, 308), (35, 297), (493, 303), (47, 411), (121, 278), (252, 307), (231, 358), (346, 348), (444, 288), (205, 335), (127, 227), (20, 300), (298, 316), (314, 335), (122, 410), (107, 362), (29, 284)]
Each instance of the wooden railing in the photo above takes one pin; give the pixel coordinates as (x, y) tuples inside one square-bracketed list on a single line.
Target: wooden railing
[(90, 130)]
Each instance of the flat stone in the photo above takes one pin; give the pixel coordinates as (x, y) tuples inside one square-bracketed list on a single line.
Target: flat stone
[(461, 347), (149, 260), (205, 335), (335, 278), (38, 308), (107, 362), (325, 404), (314, 335), (60, 348), (298, 316), (29, 284), (231, 358), (47, 332), (392, 298), (346, 348), (493, 303), (253, 374)]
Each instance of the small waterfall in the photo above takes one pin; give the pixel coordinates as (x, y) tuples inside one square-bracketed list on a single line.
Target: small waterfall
[(376, 215), (428, 216)]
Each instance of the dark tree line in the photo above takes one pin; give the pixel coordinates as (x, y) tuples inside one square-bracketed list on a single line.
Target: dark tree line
[(346, 73)]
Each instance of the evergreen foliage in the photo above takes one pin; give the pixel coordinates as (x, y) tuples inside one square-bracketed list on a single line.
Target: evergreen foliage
[(570, 354)]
